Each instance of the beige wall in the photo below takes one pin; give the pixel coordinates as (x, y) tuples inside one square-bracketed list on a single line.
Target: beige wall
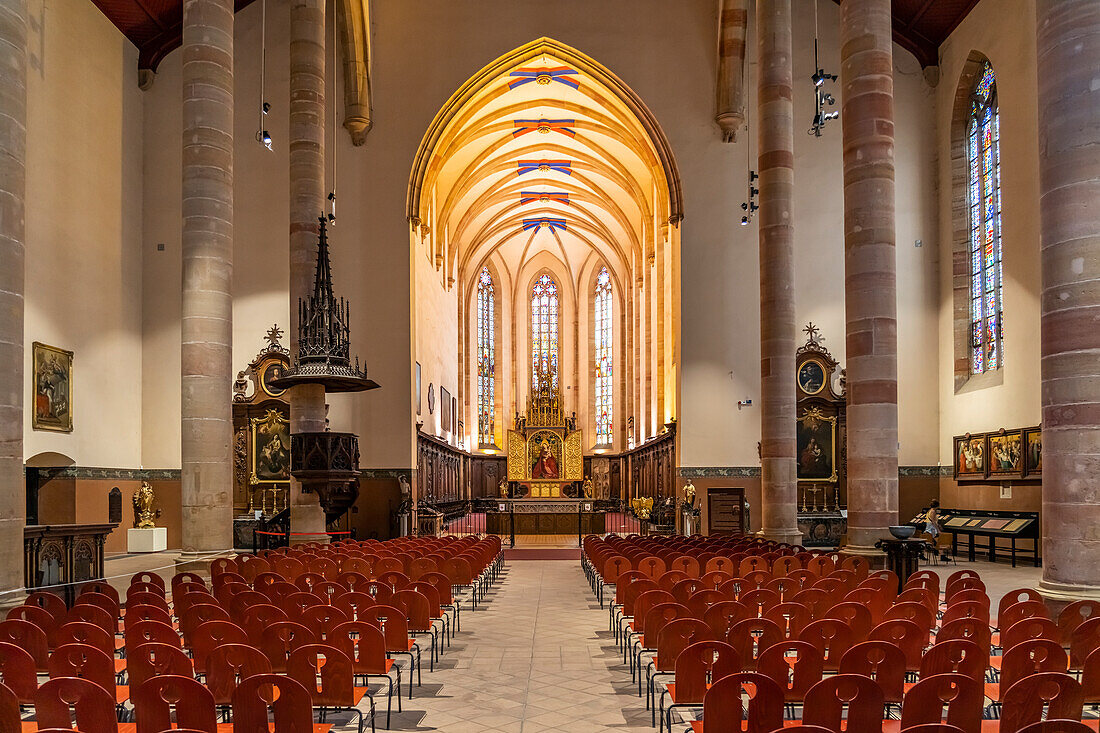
[(84, 197), (1010, 397)]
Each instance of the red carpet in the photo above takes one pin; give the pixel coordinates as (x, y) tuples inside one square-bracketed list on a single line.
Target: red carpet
[(539, 553)]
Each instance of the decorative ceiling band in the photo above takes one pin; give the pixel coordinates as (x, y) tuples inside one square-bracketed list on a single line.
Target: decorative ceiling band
[(543, 76), (526, 197), (561, 166), (544, 221), (544, 126)]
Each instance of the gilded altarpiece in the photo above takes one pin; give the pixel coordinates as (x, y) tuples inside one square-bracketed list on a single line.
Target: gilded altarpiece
[(545, 450)]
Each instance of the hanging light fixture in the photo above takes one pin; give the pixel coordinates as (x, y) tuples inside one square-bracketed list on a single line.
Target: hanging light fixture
[(262, 135), (335, 138), (822, 98), (749, 206)]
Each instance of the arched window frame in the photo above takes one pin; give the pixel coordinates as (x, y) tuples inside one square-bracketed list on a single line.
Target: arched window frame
[(603, 357), (983, 196), (545, 329), (486, 358)]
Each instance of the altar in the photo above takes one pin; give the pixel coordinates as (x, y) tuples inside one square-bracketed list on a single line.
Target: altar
[(545, 517), (545, 449)]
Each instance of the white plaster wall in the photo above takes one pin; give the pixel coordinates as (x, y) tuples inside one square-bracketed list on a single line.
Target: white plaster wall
[(83, 219), (1011, 398)]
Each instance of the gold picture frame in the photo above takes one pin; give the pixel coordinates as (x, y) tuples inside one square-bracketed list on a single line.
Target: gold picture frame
[(51, 388), (270, 460)]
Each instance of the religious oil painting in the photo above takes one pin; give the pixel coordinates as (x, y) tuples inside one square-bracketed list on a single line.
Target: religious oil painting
[(969, 457), (544, 452), (52, 388), (1033, 444), (270, 449), (1006, 454), (816, 446)]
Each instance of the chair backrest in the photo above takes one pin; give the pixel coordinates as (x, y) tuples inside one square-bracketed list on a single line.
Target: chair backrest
[(1031, 657), (1055, 726), (147, 661), (154, 699), (970, 628), (862, 696), (363, 643), (323, 619), (1076, 614), (831, 637), (281, 638), (227, 664), (312, 662), (966, 609), (857, 617), (1019, 611), (41, 618), (916, 612), (1017, 596), (416, 607), (955, 656), (721, 616), (94, 706), (1057, 694), (354, 604), (198, 614), (212, 634), (18, 673), (722, 704), (796, 666), (145, 612), (94, 615), (676, 636), (701, 664), (906, 635), (1083, 640), (881, 661), (28, 636), (790, 617), (291, 703), (1035, 627), (86, 662), (751, 637), (50, 602), (961, 694)]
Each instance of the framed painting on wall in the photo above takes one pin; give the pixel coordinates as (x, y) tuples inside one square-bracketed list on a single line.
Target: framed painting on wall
[(1005, 454), (270, 449), (1033, 452), (816, 436), (418, 389), (969, 457), (445, 410), (52, 388)]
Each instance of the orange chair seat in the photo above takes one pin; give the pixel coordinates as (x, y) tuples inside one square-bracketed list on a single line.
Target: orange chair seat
[(993, 691), (672, 694), (120, 665), (122, 693)]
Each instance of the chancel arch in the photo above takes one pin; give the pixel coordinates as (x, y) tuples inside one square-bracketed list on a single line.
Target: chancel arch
[(546, 164)]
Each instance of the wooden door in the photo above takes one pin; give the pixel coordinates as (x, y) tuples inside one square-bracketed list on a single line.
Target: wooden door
[(725, 511)]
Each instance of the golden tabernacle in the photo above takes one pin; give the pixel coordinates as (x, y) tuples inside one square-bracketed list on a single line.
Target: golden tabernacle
[(545, 448)]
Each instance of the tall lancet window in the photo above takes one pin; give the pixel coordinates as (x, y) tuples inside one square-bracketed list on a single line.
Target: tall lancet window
[(604, 355), (984, 198), (544, 330), (486, 357)]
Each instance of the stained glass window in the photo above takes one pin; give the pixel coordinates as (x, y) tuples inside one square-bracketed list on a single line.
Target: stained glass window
[(603, 358), (984, 198), (486, 357), (544, 330)]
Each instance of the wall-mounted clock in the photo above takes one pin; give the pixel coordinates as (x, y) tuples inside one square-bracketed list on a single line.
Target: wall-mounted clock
[(811, 377)]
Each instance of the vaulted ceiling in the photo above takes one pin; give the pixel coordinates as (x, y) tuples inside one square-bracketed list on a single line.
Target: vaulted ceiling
[(154, 26)]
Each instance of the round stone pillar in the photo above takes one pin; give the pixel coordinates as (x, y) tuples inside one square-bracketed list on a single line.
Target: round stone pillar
[(207, 243), (307, 200), (13, 149), (775, 133), (1068, 37), (870, 303)]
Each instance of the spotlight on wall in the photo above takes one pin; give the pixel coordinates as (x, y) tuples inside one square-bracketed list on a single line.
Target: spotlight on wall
[(263, 135), (332, 208), (822, 98), (750, 206)]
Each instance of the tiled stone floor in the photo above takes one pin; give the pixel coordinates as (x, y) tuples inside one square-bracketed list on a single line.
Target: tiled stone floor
[(536, 656)]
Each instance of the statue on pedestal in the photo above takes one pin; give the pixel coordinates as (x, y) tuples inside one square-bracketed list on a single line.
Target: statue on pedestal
[(143, 507)]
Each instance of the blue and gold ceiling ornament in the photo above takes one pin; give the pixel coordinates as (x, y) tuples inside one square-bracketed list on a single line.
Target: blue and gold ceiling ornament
[(544, 221), (526, 197), (543, 75), (561, 166), (544, 126)]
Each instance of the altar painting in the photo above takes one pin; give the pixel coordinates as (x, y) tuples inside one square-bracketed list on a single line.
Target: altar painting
[(816, 435), (545, 455)]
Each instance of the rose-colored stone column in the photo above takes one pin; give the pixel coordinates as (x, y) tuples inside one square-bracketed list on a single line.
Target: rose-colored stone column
[(867, 118), (733, 24), (1069, 206), (775, 134), (307, 200), (207, 321), (13, 149)]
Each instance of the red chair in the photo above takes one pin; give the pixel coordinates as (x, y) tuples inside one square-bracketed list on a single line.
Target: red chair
[(1075, 614), (1056, 726), (961, 694), (418, 615), (94, 615), (29, 637), (864, 699), (790, 617), (255, 620), (323, 618), (697, 667), (212, 634), (955, 656), (198, 614), (395, 629), (155, 698), (87, 662), (365, 646), (354, 604), (905, 635), (1055, 694), (10, 717), (916, 612), (672, 639), (18, 673), (151, 660), (145, 612), (227, 664), (721, 617), (280, 639), (104, 601), (50, 602), (971, 629), (831, 637), (723, 711), (1035, 627), (94, 706), (856, 616), (751, 637), (289, 702), (881, 661), (41, 618), (795, 666), (336, 690), (1083, 640), (1026, 659)]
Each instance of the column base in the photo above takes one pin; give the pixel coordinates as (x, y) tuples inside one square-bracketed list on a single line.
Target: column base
[(791, 536), (873, 555), (298, 539), (199, 562), (1057, 596)]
